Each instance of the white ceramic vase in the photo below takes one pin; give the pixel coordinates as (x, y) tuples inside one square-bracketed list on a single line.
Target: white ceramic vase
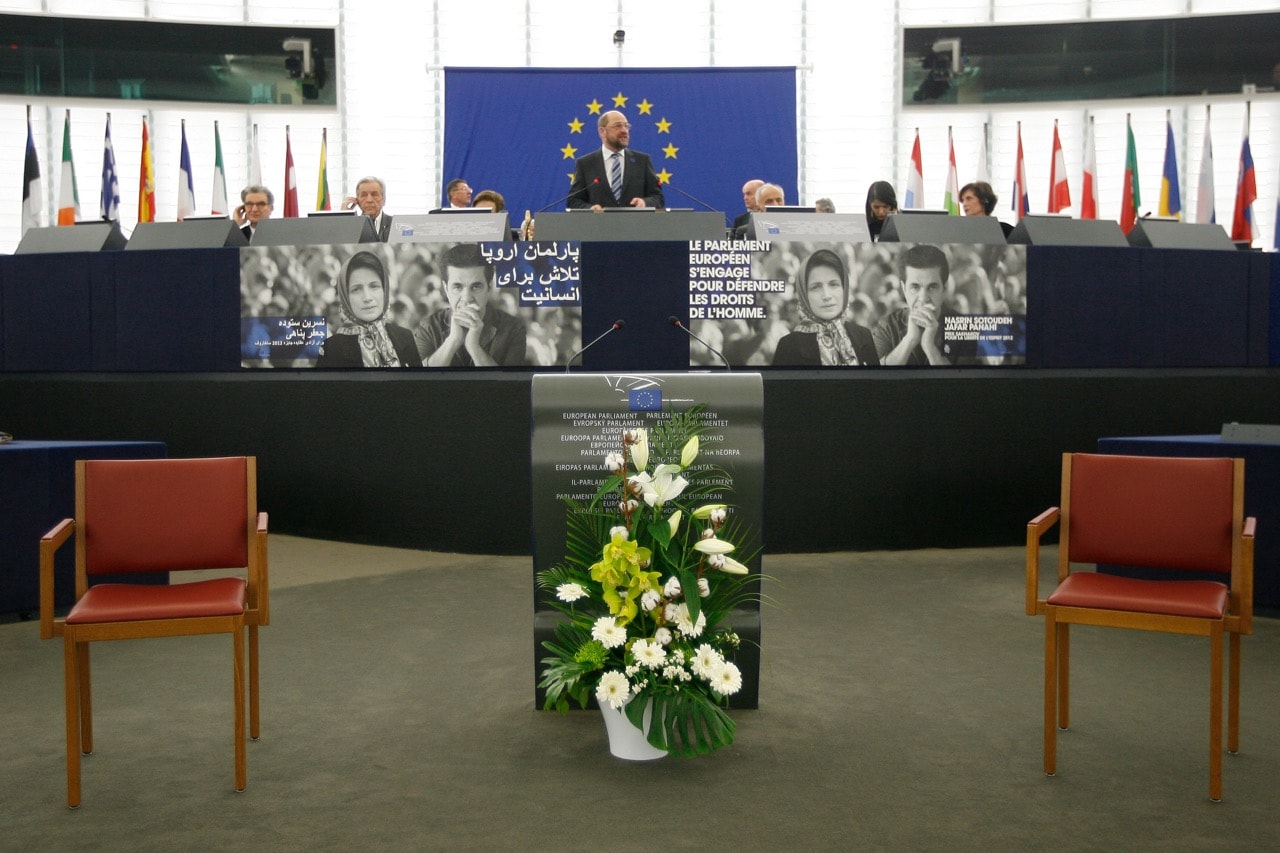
[(625, 740)]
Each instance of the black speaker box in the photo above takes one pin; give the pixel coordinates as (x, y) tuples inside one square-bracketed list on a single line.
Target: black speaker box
[(1065, 231), (81, 237), (1171, 234), (314, 230), (907, 227), (198, 234)]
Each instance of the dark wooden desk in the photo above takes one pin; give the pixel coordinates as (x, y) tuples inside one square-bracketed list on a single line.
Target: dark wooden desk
[(37, 490), (1261, 493)]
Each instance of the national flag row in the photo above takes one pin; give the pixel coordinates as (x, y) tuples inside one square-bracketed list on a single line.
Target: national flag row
[(69, 206), (1059, 197)]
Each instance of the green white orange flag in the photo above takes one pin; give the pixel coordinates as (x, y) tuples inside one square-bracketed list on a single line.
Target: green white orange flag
[(218, 202), (68, 192)]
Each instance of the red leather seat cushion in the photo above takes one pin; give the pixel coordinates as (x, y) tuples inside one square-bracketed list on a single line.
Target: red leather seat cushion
[(123, 602), (1204, 599)]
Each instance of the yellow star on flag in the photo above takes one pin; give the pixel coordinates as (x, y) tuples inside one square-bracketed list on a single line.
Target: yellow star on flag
[(670, 151), (664, 176), (575, 126), (664, 126), (594, 107), (644, 107), (619, 100), (568, 151)]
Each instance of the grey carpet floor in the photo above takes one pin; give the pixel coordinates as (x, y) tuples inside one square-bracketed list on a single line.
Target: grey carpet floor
[(899, 709)]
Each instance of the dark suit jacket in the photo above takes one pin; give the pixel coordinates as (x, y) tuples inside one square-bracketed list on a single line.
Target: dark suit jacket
[(384, 232), (344, 350), (591, 181), (801, 348), (248, 232)]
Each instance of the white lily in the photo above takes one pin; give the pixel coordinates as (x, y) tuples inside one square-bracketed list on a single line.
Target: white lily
[(704, 512), (666, 485), (712, 545), (689, 453), (673, 522), (733, 567), (640, 449)]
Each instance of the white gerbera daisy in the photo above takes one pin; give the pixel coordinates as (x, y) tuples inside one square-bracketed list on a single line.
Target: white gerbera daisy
[(570, 592), (686, 625), (727, 679), (614, 689), (649, 653), (610, 634), (705, 661)]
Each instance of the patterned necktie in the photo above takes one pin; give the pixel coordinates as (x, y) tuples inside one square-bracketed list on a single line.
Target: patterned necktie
[(615, 175)]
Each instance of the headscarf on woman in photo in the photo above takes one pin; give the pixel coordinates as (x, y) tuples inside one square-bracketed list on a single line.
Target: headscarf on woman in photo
[(376, 349), (834, 346), (883, 193)]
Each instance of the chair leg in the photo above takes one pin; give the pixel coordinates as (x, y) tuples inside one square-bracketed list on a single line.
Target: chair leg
[(71, 684), (237, 667), (254, 727), (1233, 694), (1064, 675), (1215, 713), (1050, 695)]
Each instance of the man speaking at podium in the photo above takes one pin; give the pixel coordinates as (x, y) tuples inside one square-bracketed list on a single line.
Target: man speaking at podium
[(614, 176)]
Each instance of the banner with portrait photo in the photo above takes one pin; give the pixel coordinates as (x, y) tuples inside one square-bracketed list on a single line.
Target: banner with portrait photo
[(367, 305), (804, 304)]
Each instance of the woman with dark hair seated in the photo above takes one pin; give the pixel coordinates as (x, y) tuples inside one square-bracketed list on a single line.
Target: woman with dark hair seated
[(364, 338), (979, 199), (881, 201), (823, 337)]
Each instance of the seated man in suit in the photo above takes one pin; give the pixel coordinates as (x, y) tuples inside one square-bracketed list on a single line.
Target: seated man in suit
[(749, 199), (614, 176), (470, 332), (256, 204), (371, 195)]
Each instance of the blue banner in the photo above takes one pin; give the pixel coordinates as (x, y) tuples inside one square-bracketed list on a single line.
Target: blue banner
[(708, 130)]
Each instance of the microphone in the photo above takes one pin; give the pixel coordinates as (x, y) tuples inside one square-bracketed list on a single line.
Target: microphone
[(690, 196), (560, 201), (675, 321), (617, 324)]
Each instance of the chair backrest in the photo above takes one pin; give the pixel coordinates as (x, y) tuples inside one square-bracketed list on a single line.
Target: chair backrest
[(1161, 512), (151, 515)]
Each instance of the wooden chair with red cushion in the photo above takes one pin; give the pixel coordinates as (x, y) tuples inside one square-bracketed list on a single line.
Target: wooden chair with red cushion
[(159, 515), (1158, 512)]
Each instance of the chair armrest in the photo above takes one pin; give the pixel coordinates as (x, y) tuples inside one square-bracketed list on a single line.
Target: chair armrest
[(49, 545), (1036, 528), (264, 585)]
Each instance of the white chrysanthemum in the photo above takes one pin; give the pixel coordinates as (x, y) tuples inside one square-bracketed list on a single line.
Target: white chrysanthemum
[(705, 661), (614, 462), (672, 589), (649, 599), (726, 680), (614, 689), (610, 634), (662, 635), (688, 627), (570, 592), (704, 587), (649, 653)]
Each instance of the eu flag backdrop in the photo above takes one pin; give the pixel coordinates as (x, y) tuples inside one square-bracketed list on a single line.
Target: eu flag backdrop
[(708, 130)]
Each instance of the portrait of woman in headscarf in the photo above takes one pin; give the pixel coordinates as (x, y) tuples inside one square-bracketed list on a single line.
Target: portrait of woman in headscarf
[(822, 336), (364, 337)]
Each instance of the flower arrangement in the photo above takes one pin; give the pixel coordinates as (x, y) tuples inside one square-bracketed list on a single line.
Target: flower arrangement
[(646, 586)]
